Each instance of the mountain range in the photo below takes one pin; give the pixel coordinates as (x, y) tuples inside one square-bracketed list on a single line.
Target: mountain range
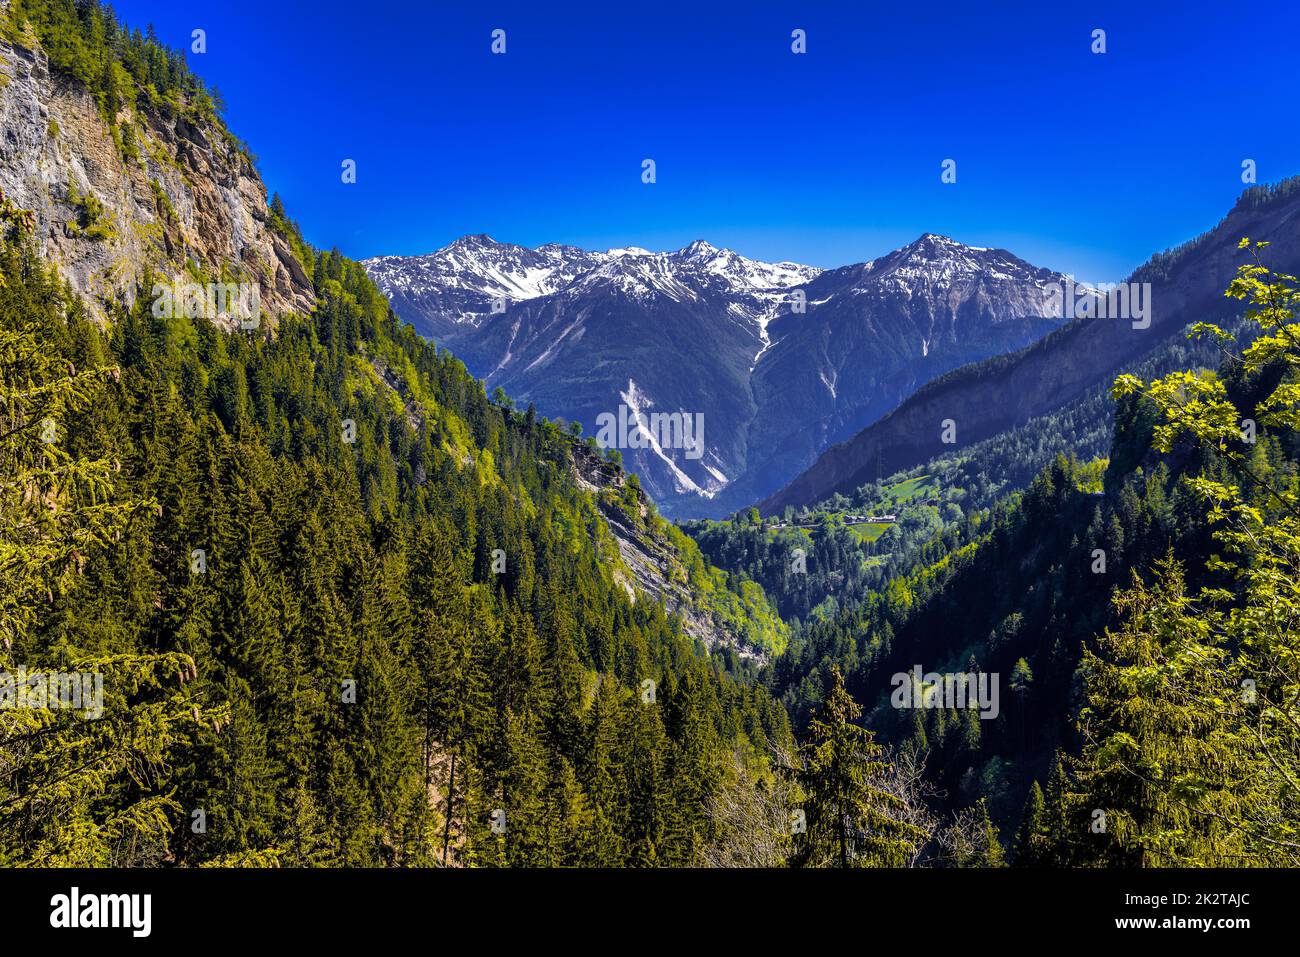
[(988, 398), (781, 359)]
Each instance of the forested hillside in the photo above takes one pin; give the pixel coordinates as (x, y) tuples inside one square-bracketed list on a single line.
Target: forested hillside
[(345, 607), (345, 637), (944, 497), (1134, 615)]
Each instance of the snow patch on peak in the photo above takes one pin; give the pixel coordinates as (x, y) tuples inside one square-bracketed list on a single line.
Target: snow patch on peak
[(473, 239), (699, 249)]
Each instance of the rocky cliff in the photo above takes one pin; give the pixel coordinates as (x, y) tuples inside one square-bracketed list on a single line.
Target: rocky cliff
[(652, 562), (112, 201)]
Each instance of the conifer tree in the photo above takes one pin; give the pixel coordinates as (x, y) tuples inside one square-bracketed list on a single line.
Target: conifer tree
[(851, 819), (1031, 836), (73, 791), (988, 848), (1159, 763), (1223, 669)]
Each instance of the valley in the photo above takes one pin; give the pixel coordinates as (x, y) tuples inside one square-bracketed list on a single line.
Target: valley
[(542, 557)]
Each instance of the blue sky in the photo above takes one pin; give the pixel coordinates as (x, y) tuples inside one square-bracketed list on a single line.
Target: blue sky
[(1082, 162)]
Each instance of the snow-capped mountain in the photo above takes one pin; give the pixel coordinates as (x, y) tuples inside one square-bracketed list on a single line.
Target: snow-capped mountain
[(781, 359), (461, 283), (1061, 371), (464, 282), (876, 332)]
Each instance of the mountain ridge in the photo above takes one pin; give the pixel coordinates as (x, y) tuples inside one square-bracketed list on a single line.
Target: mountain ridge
[(780, 358), (1187, 284)]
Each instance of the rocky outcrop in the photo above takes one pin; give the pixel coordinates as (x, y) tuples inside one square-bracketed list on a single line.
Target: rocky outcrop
[(649, 565), (105, 212)]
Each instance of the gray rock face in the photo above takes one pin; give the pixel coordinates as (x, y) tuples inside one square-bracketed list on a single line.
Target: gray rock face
[(190, 194), (653, 566)]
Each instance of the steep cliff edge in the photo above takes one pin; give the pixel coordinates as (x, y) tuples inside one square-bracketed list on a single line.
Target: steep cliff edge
[(145, 193), (655, 559)]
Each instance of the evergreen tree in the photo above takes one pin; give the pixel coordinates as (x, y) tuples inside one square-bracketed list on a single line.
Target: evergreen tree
[(851, 820), (73, 792), (1031, 836)]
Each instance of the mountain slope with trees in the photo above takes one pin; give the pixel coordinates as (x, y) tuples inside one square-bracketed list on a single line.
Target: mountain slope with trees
[(345, 607), (1142, 627)]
